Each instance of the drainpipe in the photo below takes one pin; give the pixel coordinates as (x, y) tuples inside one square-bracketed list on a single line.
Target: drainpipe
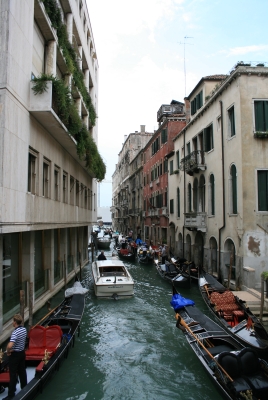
[(223, 190)]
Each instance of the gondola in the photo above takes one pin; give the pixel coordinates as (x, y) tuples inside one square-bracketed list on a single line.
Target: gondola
[(172, 273), (237, 371), (124, 252), (234, 315), (145, 254), (48, 344)]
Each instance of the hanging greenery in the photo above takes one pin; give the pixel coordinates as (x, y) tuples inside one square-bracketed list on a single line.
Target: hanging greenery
[(66, 109), (70, 55)]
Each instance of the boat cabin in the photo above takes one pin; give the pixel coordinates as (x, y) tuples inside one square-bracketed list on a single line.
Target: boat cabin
[(112, 271)]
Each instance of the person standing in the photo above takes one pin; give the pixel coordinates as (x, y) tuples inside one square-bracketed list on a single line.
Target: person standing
[(101, 256), (16, 354)]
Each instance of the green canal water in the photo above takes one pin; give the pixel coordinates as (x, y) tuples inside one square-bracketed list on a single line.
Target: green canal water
[(131, 349)]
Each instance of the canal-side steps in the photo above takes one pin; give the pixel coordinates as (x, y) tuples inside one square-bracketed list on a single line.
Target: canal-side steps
[(253, 300)]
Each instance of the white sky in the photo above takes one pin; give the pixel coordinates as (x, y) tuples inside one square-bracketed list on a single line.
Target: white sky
[(140, 52)]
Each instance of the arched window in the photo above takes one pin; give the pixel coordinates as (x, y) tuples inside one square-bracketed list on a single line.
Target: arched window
[(189, 198), (178, 203), (212, 194), (233, 179)]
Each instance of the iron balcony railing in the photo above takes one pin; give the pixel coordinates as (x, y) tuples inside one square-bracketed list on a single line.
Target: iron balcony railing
[(194, 162)]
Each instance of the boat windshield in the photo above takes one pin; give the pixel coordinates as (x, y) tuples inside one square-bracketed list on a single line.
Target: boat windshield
[(112, 271)]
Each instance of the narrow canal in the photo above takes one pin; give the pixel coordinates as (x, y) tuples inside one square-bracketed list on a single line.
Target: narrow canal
[(131, 349)]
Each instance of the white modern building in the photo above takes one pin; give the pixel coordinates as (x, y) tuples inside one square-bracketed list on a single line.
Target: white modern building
[(49, 158)]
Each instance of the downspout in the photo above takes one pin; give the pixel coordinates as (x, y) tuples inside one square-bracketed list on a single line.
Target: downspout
[(223, 191)]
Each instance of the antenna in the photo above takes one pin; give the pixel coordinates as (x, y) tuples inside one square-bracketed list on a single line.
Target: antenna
[(184, 43)]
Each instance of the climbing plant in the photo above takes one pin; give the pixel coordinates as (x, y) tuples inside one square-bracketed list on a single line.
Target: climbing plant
[(66, 109), (70, 55)]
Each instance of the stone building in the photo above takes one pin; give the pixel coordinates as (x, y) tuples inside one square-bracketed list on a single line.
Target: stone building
[(128, 183), (47, 189), (220, 193), (156, 210)]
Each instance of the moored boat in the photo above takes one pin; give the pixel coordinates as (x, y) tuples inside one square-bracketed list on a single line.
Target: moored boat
[(112, 279), (172, 273), (126, 251), (48, 343), (237, 371), (234, 315)]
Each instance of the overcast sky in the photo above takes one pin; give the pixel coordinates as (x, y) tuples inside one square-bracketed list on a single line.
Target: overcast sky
[(144, 48)]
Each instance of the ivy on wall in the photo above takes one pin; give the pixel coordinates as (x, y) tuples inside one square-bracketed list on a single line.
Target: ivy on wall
[(66, 109)]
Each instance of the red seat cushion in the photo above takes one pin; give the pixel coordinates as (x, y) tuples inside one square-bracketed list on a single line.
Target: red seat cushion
[(4, 377)]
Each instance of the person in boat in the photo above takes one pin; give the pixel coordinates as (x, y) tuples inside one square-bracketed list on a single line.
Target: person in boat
[(101, 256), (16, 353), (164, 254)]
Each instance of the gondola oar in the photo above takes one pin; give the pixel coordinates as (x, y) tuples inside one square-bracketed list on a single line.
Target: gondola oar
[(50, 312), (183, 323)]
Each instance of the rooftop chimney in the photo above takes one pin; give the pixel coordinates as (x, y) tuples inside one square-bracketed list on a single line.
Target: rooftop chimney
[(142, 128)]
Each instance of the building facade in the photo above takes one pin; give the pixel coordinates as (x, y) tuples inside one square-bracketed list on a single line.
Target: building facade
[(220, 217), (128, 184), (157, 163), (48, 103)]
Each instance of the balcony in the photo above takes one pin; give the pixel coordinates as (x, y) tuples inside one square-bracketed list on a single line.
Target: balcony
[(196, 221), (164, 211), (169, 109), (134, 212), (157, 181), (194, 162), (41, 108), (153, 212), (151, 185)]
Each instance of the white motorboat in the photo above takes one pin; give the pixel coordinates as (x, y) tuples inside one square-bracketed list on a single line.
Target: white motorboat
[(112, 279)]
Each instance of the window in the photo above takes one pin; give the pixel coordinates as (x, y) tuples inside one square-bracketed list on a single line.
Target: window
[(233, 178), (197, 102), (189, 197), (261, 115), (208, 137), (178, 159), (46, 171), (64, 187), (72, 189), (171, 206), (32, 172), (77, 190), (171, 167), (178, 203), (188, 146), (56, 183), (164, 136), (212, 194), (160, 169), (231, 122), (165, 166), (262, 190)]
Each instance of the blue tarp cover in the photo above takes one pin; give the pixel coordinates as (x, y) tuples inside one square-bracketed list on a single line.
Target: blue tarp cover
[(178, 302)]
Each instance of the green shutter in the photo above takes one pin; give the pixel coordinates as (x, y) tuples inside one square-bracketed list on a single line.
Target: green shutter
[(232, 121), (178, 203), (212, 187), (234, 189), (259, 116), (266, 116), (263, 190), (178, 159), (201, 98), (171, 206)]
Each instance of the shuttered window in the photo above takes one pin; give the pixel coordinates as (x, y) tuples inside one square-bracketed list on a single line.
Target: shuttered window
[(171, 202), (171, 167), (189, 197), (261, 115), (231, 122), (263, 190), (208, 137), (178, 159), (212, 194), (234, 189), (178, 203), (163, 136)]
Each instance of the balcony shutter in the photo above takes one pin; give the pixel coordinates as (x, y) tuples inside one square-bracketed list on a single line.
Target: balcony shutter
[(263, 190)]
